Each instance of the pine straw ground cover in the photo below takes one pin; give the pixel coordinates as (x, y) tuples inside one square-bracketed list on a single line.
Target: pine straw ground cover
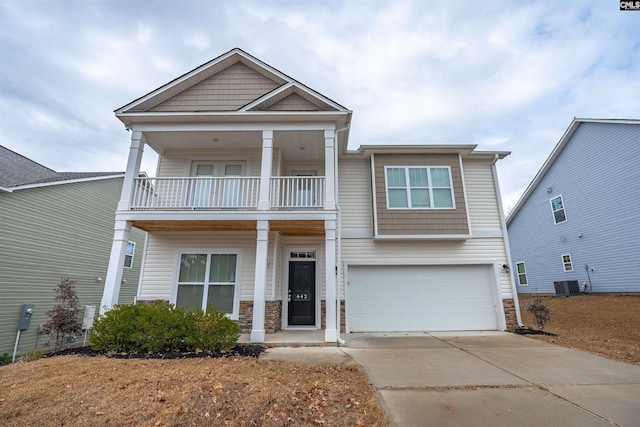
[(99, 391), (608, 325)]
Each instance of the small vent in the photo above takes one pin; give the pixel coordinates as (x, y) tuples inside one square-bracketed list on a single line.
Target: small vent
[(569, 287)]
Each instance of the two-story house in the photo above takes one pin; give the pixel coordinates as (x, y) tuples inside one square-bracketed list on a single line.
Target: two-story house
[(260, 209), (568, 232)]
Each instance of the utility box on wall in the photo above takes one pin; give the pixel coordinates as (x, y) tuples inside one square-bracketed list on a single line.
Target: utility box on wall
[(25, 317)]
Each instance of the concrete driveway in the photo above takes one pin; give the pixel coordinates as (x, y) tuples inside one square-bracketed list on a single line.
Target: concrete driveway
[(494, 379)]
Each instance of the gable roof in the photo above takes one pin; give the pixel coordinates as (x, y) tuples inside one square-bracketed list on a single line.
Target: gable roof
[(233, 83), (566, 137), (17, 171)]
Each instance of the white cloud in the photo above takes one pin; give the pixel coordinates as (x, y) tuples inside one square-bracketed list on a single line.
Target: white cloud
[(505, 77)]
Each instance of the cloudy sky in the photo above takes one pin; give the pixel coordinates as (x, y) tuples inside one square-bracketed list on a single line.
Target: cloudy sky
[(506, 75)]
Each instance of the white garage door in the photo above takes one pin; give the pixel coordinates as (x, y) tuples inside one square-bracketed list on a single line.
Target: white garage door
[(420, 298)]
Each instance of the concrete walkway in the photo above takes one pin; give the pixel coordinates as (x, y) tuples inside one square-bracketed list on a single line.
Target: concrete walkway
[(485, 379)]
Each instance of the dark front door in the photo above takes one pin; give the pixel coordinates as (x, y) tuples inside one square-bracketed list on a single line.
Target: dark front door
[(302, 291)]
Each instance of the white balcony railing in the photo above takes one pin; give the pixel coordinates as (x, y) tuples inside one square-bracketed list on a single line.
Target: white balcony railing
[(297, 192), (195, 193), (225, 193)]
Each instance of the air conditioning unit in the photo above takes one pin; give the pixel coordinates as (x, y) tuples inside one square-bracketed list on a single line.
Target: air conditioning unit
[(567, 287)]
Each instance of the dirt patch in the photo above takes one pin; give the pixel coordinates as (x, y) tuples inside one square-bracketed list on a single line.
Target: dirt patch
[(242, 391), (607, 325)]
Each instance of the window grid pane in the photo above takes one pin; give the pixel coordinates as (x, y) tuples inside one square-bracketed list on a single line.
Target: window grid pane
[(223, 268), (192, 268), (442, 198), (440, 177), (420, 198), (190, 296), (418, 178), (221, 297), (398, 199), (396, 177)]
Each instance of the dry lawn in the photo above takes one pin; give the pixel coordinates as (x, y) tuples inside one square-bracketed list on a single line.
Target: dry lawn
[(98, 391), (608, 325)]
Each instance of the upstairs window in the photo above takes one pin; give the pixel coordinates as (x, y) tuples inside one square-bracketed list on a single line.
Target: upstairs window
[(522, 274), (128, 256), (566, 262), (422, 187), (557, 207)]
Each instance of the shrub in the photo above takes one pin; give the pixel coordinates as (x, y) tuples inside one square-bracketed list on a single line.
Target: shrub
[(214, 330), (541, 312), (5, 359), (64, 318), (161, 327)]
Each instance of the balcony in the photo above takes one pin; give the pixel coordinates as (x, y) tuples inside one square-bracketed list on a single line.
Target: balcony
[(227, 193)]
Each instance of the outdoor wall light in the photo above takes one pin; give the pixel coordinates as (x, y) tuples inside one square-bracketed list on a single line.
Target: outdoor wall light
[(98, 279), (505, 267)]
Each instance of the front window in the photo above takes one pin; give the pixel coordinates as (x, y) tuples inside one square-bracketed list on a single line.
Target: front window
[(566, 262), (423, 187), (557, 207), (128, 257), (522, 274), (208, 279)]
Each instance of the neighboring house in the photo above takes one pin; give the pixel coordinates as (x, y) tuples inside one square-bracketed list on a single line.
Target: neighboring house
[(577, 226), (260, 209), (53, 226)]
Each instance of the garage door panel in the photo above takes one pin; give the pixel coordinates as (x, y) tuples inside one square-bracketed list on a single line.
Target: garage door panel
[(420, 298)]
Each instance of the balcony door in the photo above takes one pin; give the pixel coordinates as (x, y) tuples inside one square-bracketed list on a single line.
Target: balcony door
[(304, 189), (213, 192)]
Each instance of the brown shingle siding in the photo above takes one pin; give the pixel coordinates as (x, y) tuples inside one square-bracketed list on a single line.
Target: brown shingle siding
[(407, 222)]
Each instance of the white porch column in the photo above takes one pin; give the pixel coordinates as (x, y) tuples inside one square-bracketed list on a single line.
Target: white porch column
[(133, 169), (330, 332), (329, 169), (262, 245), (116, 264), (265, 170)]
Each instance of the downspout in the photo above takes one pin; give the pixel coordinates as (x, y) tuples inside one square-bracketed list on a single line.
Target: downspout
[(505, 238), (338, 237)]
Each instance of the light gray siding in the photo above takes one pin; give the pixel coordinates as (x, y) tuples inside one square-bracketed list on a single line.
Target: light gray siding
[(228, 90), (53, 232), (598, 175)]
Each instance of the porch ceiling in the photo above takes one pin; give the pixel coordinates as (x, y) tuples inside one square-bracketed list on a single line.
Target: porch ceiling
[(296, 145), (286, 228)]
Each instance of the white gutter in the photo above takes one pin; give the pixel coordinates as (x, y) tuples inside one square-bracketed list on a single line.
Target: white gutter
[(338, 237), (505, 238), (5, 190)]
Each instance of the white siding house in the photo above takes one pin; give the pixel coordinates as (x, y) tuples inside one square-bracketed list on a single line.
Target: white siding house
[(577, 226), (261, 209)]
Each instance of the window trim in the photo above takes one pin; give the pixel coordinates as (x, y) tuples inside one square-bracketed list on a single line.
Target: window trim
[(234, 315), (408, 187), (565, 263), (133, 252), (553, 212), (518, 274)]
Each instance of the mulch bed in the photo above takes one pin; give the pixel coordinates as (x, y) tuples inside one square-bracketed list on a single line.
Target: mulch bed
[(526, 331), (240, 350)]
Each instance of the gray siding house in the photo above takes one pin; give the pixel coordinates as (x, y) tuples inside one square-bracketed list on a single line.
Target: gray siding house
[(52, 226), (577, 226)]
